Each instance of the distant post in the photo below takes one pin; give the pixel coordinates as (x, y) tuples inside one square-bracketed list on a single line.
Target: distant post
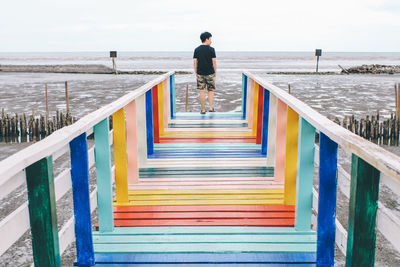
[(113, 56), (318, 53)]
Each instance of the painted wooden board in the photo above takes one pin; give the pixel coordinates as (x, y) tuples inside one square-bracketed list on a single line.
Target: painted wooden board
[(213, 139), (272, 124), (364, 192), (211, 131), (244, 95), (207, 258), (81, 199), (261, 192), (266, 201), (142, 130), (42, 213), (179, 146), (292, 130), (207, 125), (264, 123), (209, 247), (208, 134), (219, 208), (211, 172), (205, 186), (132, 143), (280, 154), (149, 122), (207, 154), (155, 114), (120, 156), (260, 114)]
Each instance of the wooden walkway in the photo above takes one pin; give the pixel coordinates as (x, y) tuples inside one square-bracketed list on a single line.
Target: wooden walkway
[(221, 189), (197, 214)]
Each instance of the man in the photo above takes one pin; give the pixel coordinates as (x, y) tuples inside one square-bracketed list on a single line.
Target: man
[(205, 68)]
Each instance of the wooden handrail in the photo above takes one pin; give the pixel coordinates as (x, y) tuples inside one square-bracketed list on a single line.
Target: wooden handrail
[(385, 161), (50, 145)]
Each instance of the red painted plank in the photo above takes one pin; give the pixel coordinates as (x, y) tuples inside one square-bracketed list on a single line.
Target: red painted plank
[(205, 208), (207, 222), (208, 140), (156, 132), (203, 215), (259, 114)]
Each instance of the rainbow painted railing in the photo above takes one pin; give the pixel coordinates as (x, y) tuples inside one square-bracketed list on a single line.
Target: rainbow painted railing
[(222, 188)]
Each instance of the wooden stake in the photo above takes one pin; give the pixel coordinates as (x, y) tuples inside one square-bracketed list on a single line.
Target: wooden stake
[(66, 97), (289, 88), (47, 105), (187, 98)]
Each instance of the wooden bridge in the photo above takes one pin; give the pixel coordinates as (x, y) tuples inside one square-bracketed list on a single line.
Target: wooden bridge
[(220, 189)]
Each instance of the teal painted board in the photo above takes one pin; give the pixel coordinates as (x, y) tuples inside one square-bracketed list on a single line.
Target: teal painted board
[(244, 95), (42, 213), (102, 155), (172, 95), (364, 193), (204, 247), (81, 197), (305, 175), (327, 201)]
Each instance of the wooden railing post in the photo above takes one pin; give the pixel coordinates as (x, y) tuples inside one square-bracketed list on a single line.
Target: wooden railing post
[(305, 176), (155, 107), (271, 143), (172, 96), (102, 154), (265, 124), (120, 157), (132, 143), (149, 123), (326, 201), (42, 213), (281, 110), (141, 121), (244, 95), (361, 234), (81, 196), (260, 108), (292, 130)]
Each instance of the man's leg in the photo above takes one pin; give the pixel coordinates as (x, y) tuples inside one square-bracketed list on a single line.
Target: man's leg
[(210, 99), (203, 99)]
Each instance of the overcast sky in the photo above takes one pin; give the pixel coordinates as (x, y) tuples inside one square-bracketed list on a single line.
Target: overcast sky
[(175, 25)]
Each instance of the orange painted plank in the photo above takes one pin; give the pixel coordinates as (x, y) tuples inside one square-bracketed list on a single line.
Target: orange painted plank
[(260, 114), (207, 222), (202, 215), (208, 208), (156, 128)]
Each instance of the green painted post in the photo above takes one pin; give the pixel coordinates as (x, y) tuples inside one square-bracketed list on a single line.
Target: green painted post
[(364, 192), (305, 176), (42, 213)]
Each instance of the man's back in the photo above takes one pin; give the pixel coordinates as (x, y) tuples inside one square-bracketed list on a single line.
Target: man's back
[(204, 55)]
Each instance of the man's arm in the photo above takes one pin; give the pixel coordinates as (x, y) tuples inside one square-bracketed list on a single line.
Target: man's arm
[(195, 65), (214, 61)]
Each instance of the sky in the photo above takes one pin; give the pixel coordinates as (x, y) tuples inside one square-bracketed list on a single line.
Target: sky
[(175, 25)]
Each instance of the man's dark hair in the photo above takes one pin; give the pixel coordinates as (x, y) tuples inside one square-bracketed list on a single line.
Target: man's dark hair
[(204, 36)]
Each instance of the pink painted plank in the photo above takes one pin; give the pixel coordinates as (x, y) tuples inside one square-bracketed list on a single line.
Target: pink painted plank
[(204, 186), (251, 102), (280, 141), (132, 143)]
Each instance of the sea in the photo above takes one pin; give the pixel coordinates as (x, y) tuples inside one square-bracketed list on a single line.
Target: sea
[(332, 95)]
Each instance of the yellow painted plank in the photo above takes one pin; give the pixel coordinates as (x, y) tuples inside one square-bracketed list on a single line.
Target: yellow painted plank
[(255, 108), (204, 197), (160, 108), (205, 192), (203, 202), (120, 156), (292, 130)]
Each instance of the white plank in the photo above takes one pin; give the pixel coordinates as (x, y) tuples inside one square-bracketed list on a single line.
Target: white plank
[(56, 141), (9, 185), (378, 157)]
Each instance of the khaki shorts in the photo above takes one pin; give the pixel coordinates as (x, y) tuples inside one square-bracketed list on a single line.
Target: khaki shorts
[(206, 82)]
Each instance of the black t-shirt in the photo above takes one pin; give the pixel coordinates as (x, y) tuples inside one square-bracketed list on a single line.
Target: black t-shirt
[(204, 55)]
